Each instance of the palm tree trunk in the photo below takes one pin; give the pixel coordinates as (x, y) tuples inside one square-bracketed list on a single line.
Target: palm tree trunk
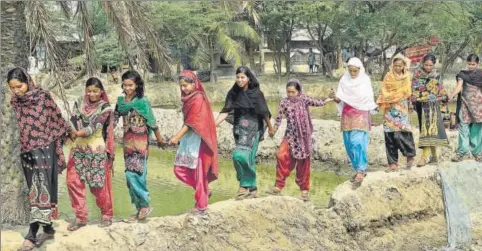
[(339, 61), (14, 49), (261, 54)]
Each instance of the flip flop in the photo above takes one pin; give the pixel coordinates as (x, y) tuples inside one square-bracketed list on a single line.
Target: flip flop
[(105, 222), (74, 226), (43, 237), (144, 216), (273, 191), (242, 195), (27, 248)]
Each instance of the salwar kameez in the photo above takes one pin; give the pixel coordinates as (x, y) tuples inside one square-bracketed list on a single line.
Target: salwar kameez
[(91, 163), (138, 123), (247, 139), (469, 117), (428, 93), (296, 148), (285, 164), (355, 125), (42, 135)]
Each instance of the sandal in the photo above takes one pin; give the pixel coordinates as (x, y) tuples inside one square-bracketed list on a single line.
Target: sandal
[(358, 179), (478, 158), (43, 237), (305, 197), (391, 168), (105, 222), (252, 195), (422, 162), (242, 194), (27, 248), (74, 226), (197, 211), (458, 158), (145, 213), (273, 191), (410, 161)]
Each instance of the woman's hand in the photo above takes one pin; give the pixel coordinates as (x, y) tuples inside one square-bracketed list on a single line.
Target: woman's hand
[(174, 141), (272, 132), (161, 143)]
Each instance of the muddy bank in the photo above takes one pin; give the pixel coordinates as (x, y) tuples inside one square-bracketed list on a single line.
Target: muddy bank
[(397, 211)]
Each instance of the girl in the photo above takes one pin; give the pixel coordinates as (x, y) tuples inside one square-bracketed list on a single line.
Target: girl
[(396, 89), (427, 94), (355, 103), (42, 135), (196, 162), (295, 149), (139, 124), (469, 110), (92, 155), (250, 114)]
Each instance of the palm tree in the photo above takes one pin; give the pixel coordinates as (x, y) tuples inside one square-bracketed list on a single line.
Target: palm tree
[(222, 32), (135, 32)]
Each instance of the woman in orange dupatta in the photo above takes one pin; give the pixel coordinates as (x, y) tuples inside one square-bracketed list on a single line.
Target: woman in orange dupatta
[(196, 162), (396, 89)]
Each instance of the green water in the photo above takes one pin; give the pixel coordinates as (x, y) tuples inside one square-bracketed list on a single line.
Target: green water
[(169, 196)]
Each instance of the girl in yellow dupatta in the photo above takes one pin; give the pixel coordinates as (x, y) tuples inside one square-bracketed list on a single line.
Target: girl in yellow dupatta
[(396, 89)]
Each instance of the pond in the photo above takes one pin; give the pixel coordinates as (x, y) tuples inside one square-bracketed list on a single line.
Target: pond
[(169, 196)]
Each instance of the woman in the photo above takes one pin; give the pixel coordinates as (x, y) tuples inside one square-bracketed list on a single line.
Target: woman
[(396, 90), (250, 114), (139, 124), (428, 94), (295, 149), (355, 103), (42, 135), (196, 162), (92, 155), (469, 110)]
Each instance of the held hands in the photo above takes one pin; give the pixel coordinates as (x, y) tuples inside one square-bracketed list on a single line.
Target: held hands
[(272, 132), (174, 141), (161, 143)]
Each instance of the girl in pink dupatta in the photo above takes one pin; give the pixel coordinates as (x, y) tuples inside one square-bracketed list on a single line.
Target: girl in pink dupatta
[(92, 155), (196, 162), (296, 147)]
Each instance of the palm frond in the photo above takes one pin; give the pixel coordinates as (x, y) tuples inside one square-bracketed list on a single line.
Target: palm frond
[(243, 30), (42, 34), (229, 47), (87, 33), (65, 6), (253, 9), (202, 56)]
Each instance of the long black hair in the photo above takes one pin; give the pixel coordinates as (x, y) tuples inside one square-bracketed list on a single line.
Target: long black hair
[(136, 78), (253, 81), (18, 74), (93, 81)]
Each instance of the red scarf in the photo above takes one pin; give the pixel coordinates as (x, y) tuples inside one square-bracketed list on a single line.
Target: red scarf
[(39, 119), (199, 117)]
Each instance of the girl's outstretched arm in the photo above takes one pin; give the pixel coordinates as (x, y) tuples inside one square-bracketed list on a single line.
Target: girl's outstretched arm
[(174, 140), (221, 117)]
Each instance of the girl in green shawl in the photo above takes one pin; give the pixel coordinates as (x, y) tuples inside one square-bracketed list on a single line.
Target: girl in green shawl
[(139, 123)]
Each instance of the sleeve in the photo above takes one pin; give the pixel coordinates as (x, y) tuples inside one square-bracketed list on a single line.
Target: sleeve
[(281, 113), (309, 101), (98, 123)]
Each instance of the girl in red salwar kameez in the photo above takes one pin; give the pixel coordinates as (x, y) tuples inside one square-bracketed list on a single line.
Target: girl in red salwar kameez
[(92, 155), (196, 162)]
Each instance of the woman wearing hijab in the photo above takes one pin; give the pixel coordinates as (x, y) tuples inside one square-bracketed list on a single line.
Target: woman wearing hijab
[(355, 103), (296, 147), (469, 110), (428, 94), (250, 116), (92, 155), (196, 162), (396, 90), (42, 135)]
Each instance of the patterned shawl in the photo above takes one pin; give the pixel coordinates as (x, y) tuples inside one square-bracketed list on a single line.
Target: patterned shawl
[(142, 106), (395, 88), (198, 116), (302, 126), (39, 118)]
